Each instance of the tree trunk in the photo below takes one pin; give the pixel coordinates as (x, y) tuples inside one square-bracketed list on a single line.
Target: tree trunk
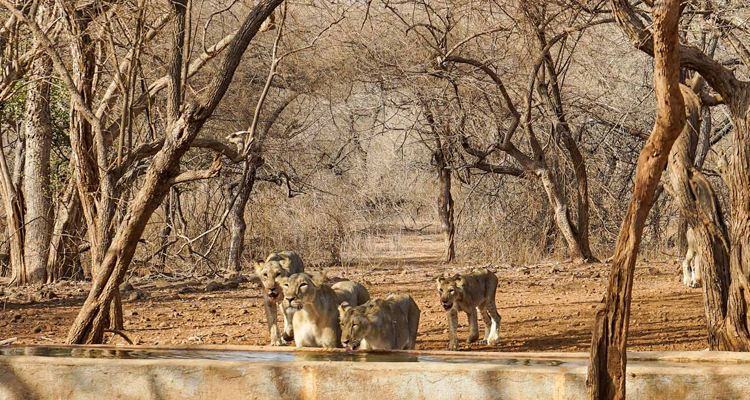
[(161, 258), (561, 214), (738, 334), (445, 207), (63, 246), (13, 204), (160, 175), (38, 215), (606, 372), (237, 225), (553, 97), (703, 217)]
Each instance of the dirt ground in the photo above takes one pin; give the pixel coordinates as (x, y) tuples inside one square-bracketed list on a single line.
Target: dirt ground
[(547, 307)]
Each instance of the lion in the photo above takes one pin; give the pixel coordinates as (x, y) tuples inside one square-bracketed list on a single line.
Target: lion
[(380, 324), (277, 265), (350, 292), (469, 293), (314, 305), (691, 266)]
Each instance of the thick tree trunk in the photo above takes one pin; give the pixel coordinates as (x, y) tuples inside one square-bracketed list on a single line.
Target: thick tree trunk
[(38, 215), (561, 214), (445, 208), (703, 217), (81, 137), (738, 334), (237, 225), (606, 372)]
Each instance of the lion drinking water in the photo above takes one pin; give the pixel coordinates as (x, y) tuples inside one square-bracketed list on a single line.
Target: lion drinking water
[(314, 306), (380, 324)]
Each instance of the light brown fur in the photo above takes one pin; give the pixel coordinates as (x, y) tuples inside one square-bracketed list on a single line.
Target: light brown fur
[(470, 293), (380, 324), (314, 305), (277, 265), (350, 292)]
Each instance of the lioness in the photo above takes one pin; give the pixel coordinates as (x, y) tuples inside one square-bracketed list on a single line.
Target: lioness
[(469, 293), (277, 265), (691, 266), (350, 292), (379, 324), (316, 319)]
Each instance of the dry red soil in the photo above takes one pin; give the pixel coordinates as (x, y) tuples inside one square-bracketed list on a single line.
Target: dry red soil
[(546, 307)]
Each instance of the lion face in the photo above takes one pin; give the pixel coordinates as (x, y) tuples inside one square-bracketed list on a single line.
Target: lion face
[(451, 290), (355, 325), (299, 289), (269, 273)]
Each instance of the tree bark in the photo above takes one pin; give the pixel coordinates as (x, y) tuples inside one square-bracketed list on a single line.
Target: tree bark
[(13, 205), (737, 334), (445, 206), (63, 250), (237, 225), (561, 214), (606, 371), (38, 215), (700, 208), (553, 97)]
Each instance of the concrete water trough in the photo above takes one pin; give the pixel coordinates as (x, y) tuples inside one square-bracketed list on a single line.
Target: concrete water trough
[(229, 372)]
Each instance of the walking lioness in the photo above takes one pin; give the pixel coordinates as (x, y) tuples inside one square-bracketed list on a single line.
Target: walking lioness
[(470, 293), (277, 265), (380, 324)]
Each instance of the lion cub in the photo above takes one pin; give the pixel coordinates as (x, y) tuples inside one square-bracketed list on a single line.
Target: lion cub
[(314, 305), (469, 293), (277, 265), (379, 324)]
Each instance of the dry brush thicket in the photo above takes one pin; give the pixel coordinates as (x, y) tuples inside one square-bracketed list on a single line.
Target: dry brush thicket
[(189, 137)]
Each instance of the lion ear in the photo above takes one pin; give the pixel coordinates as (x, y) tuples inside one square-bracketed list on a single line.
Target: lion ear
[(460, 281), (318, 278), (439, 278), (285, 262), (343, 308), (258, 266)]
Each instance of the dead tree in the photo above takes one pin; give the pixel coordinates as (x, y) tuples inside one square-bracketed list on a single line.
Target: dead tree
[(534, 164), (608, 359), (241, 189)]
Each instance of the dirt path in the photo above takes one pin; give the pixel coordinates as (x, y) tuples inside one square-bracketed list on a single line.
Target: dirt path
[(546, 307)]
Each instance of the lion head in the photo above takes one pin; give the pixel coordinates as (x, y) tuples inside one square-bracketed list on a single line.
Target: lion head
[(300, 289), (269, 273), (451, 290), (356, 323)]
